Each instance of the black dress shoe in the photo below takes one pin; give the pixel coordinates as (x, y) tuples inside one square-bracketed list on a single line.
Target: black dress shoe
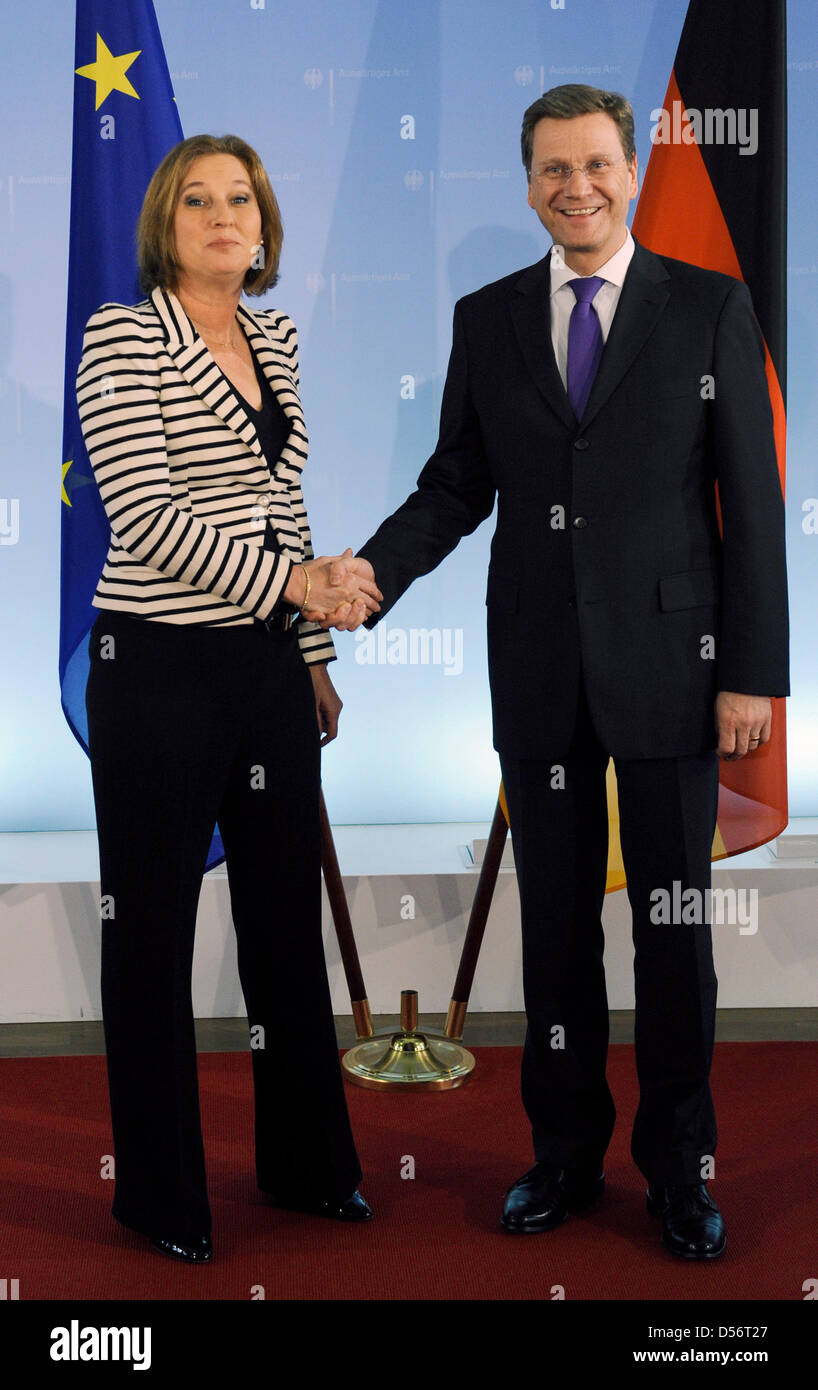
[(353, 1208), (195, 1251), (542, 1198), (692, 1224)]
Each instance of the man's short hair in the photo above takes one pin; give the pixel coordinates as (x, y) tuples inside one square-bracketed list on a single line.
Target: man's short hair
[(576, 99)]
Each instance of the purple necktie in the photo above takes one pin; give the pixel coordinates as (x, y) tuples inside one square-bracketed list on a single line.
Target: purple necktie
[(584, 342)]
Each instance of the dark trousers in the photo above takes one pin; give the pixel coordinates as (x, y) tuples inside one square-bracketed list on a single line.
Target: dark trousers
[(667, 810), (188, 726)]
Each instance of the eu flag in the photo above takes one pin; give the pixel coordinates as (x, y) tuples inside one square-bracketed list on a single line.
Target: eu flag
[(125, 121)]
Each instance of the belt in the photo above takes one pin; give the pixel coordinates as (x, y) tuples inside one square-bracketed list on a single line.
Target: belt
[(279, 622)]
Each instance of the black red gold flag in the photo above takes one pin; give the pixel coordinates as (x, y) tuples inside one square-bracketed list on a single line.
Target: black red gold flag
[(714, 194)]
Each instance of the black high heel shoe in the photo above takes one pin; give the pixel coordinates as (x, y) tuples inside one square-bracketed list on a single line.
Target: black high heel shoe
[(353, 1208), (195, 1251)]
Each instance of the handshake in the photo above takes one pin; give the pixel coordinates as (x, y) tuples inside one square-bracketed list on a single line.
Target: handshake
[(336, 591)]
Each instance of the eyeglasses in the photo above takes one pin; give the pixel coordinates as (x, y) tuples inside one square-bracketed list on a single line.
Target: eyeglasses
[(561, 173)]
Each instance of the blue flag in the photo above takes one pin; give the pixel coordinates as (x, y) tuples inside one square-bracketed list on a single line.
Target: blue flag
[(125, 121)]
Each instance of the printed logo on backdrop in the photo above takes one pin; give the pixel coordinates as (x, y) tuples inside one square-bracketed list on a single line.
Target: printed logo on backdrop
[(581, 69), (414, 180), (378, 74), (315, 282), (524, 74), (446, 175), (372, 277), (313, 78)]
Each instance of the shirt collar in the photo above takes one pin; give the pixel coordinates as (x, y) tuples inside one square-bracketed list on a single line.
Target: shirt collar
[(613, 270)]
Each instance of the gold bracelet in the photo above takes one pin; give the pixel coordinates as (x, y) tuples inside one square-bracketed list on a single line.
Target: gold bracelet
[(303, 605)]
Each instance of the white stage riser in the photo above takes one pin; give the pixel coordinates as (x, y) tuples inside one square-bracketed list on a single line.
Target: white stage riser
[(50, 933)]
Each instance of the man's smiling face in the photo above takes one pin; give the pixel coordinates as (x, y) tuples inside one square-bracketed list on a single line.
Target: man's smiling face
[(585, 214)]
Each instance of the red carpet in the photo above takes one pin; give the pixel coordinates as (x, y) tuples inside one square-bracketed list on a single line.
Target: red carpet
[(436, 1236)]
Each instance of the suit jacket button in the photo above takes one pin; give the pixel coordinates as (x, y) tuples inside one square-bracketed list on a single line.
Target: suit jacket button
[(579, 522), (582, 443)]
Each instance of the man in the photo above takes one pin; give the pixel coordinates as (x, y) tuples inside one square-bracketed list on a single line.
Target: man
[(599, 395)]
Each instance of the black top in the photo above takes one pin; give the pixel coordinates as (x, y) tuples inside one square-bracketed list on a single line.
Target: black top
[(271, 423), (272, 427)]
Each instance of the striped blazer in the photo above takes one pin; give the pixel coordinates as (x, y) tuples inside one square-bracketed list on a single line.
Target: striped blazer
[(181, 473)]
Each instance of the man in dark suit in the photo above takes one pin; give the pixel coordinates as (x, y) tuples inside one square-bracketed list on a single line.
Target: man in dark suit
[(599, 395)]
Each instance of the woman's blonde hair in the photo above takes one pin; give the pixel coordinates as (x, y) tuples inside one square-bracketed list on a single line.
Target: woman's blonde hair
[(155, 244)]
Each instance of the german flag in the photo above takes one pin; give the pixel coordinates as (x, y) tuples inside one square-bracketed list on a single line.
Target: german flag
[(714, 194)]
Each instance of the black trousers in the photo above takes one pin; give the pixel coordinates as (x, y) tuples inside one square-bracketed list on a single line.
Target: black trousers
[(559, 826), (188, 726)]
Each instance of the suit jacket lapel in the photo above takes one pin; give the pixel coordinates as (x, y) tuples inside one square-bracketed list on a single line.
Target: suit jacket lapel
[(645, 292), (531, 315), (276, 355), (644, 295), (204, 376)]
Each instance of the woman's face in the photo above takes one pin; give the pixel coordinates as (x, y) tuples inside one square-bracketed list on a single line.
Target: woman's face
[(217, 224)]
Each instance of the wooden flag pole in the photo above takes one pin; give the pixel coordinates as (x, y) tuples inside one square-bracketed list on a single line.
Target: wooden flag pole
[(343, 929), (477, 924)]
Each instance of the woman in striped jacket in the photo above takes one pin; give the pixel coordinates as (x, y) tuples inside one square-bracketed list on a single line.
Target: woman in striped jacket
[(208, 665)]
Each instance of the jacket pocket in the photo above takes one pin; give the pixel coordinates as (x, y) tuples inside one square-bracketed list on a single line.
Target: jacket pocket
[(502, 593), (691, 589)]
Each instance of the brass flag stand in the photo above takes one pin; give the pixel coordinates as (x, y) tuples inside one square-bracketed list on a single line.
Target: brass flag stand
[(427, 1060)]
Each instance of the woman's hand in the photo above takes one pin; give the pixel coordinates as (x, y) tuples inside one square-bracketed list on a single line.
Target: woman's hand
[(339, 586), (349, 616), (328, 704)]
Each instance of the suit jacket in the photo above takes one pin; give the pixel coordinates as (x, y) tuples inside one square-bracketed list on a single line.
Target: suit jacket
[(181, 472), (607, 558)]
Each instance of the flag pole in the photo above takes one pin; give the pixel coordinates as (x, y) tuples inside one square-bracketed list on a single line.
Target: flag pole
[(478, 917), (343, 929)]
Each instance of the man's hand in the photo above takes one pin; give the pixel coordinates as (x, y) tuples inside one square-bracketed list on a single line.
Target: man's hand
[(328, 704), (743, 723), (349, 616), (340, 586)]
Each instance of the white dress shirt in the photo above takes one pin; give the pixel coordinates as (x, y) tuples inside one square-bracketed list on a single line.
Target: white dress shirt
[(604, 301)]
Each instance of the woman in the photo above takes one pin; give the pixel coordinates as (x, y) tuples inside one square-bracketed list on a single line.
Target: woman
[(208, 664)]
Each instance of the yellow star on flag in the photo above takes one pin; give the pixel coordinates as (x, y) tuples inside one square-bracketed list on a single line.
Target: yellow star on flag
[(108, 72), (65, 469)]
